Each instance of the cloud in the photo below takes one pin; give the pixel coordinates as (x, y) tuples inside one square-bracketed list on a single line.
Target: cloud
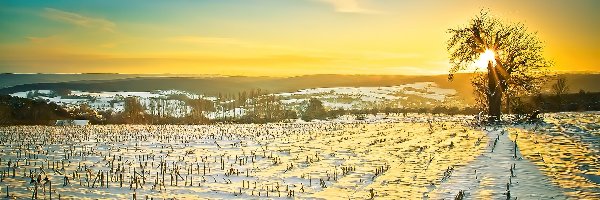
[(348, 6), (206, 40), (414, 70), (382, 55), (34, 39), (226, 41), (109, 45), (79, 20)]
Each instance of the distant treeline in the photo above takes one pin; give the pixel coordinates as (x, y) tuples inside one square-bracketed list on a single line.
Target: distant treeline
[(21, 111), (571, 102), (265, 108)]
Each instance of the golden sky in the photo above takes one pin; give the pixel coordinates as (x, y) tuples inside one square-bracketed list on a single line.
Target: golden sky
[(273, 37)]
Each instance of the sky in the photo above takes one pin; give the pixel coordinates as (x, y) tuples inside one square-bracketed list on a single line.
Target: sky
[(273, 37)]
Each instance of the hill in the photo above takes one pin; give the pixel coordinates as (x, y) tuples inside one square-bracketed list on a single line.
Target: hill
[(234, 84)]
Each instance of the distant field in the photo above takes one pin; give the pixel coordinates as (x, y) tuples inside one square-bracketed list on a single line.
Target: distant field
[(12, 83), (415, 95)]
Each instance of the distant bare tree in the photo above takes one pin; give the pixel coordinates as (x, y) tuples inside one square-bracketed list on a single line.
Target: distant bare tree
[(314, 110), (5, 113), (134, 111), (560, 88), (199, 107)]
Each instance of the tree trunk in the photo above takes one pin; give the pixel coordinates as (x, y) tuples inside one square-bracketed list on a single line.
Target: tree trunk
[(508, 111), (495, 104), (495, 98)]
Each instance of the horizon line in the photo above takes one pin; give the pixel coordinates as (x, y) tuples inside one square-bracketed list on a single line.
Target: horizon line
[(240, 75)]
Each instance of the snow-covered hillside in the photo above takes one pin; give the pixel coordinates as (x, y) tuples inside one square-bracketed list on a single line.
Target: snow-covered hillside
[(420, 94), (172, 102)]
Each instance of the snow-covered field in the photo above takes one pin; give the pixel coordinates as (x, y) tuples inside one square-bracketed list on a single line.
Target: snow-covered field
[(417, 94), (398, 157)]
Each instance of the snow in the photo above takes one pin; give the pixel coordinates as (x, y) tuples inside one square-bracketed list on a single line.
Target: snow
[(364, 97), (335, 105), (488, 175), (293, 101), (409, 156), (407, 95), (114, 101), (116, 94), (236, 112)]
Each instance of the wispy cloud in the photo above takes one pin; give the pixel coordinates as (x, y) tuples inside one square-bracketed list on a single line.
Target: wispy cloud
[(79, 20), (35, 39), (226, 41), (348, 6), (413, 70), (383, 55), (206, 40)]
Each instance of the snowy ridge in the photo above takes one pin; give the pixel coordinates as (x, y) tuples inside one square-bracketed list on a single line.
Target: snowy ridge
[(172, 102)]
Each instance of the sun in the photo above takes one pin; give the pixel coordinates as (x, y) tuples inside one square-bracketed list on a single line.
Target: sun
[(484, 58)]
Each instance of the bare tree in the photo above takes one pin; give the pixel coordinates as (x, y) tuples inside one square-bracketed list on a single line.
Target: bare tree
[(560, 88), (134, 111), (516, 67)]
